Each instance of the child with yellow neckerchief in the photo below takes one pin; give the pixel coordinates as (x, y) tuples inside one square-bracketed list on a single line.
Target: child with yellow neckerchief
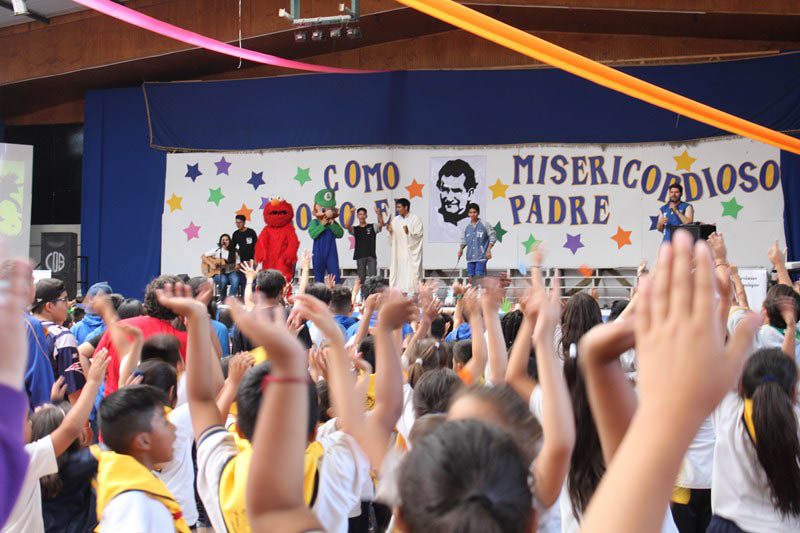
[(332, 476)]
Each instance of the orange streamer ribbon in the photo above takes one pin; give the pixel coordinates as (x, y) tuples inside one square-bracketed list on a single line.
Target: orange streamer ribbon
[(515, 39)]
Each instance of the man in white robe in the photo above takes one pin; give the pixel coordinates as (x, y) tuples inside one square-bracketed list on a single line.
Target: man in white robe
[(405, 238)]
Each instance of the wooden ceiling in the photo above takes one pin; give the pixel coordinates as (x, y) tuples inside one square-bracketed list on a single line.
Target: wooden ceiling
[(46, 69)]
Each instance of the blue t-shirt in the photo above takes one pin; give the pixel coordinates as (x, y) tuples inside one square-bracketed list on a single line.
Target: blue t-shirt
[(672, 218), (222, 335), (353, 329), (462, 332)]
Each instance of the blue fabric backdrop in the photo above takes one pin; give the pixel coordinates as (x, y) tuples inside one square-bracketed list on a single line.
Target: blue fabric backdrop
[(123, 176)]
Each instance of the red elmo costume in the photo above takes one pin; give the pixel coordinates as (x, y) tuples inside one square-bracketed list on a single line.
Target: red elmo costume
[(277, 244)]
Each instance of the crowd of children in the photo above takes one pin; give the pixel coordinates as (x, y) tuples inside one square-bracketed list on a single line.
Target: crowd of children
[(679, 413)]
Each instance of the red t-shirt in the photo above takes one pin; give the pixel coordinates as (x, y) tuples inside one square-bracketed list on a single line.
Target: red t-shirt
[(149, 327)]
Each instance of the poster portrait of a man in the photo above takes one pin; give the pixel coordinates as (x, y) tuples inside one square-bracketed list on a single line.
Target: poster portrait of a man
[(455, 183)]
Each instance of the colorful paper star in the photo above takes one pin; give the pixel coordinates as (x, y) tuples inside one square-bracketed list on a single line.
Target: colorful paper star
[(414, 189), (303, 176), (174, 202), (684, 161), (215, 195), (498, 189), (529, 243), (573, 243), (192, 231), (264, 202), (505, 306), (193, 171), (586, 271), (653, 223), (244, 211), (522, 268), (256, 180), (222, 166), (499, 232), (622, 237), (731, 208), (352, 242)]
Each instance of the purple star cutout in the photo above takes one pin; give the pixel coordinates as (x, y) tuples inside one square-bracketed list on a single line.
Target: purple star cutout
[(193, 171), (653, 223), (222, 166), (573, 243), (256, 179), (264, 202), (192, 231), (352, 242)]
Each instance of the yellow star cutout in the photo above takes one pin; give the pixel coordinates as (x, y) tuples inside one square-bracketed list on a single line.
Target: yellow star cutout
[(498, 189), (174, 202), (684, 161)]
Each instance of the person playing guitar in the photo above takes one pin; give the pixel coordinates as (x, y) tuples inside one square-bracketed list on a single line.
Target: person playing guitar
[(221, 264)]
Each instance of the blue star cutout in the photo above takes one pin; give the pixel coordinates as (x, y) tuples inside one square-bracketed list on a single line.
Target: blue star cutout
[(264, 202), (653, 222), (193, 171), (256, 179)]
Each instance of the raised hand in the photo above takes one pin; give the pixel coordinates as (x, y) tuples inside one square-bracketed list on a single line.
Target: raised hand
[(787, 309), (470, 303), (305, 259), (681, 354), (718, 250), (249, 272), (266, 327), (58, 390), (330, 280), (238, 365), (492, 293), (776, 256), (179, 299), (97, 372), (396, 310), (318, 312)]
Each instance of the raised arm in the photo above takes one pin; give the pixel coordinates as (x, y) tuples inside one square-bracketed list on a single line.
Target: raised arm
[(778, 260), (558, 425), (72, 425), (611, 395), (786, 306), (250, 273), (275, 479), (491, 298), (477, 364), (202, 366), (371, 305), (738, 287), (684, 371), (238, 365), (305, 262), (133, 357)]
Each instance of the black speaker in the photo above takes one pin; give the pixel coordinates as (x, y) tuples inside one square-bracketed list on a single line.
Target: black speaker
[(60, 256), (698, 230)]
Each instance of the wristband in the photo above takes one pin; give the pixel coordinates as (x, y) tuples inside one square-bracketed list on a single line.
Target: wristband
[(290, 380), (717, 265)]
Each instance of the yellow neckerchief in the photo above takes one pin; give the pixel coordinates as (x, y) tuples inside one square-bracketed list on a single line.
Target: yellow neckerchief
[(370, 400), (400, 443), (314, 452), (233, 488), (233, 483), (681, 495), (747, 416), (259, 355), (118, 473)]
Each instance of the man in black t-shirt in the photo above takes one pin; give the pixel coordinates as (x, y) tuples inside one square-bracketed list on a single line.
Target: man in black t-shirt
[(364, 254), (243, 242)]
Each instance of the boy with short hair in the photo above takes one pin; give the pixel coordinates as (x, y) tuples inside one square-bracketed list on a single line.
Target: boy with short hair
[(129, 496), (364, 252), (478, 238)]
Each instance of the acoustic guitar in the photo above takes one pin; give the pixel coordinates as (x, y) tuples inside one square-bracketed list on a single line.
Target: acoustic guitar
[(211, 266)]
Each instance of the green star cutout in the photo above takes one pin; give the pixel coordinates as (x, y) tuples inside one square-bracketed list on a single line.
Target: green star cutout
[(215, 195), (499, 232), (731, 208), (505, 307), (303, 176), (528, 244)]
